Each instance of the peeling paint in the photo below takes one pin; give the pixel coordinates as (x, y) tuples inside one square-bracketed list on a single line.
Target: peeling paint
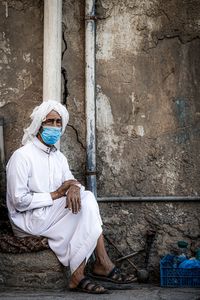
[(170, 177), (6, 8), (133, 100), (104, 110), (4, 59), (2, 103), (14, 90), (27, 57), (25, 77), (140, 130), (113, 34), (4, 43)]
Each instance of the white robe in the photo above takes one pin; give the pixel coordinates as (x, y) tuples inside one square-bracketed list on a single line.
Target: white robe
[(33, 172)]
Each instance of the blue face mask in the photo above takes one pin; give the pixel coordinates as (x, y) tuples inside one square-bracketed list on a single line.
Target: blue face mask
[(50, 135)]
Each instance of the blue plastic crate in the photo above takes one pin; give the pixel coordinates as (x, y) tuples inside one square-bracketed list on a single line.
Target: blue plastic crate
[(178, 277)]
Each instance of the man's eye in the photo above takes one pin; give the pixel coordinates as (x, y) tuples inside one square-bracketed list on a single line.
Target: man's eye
[(53, 121)]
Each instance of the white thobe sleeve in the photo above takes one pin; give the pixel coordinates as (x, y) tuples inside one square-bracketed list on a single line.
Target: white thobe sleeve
[(17, 186)]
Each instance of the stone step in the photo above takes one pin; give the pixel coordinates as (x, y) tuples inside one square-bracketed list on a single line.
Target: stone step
[(32, 270)]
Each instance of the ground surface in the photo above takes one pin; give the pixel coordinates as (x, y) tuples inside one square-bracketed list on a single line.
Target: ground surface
[(139, 292)]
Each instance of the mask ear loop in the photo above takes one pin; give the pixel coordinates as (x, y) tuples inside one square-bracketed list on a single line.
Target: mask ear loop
[(41, 127), (40, 131)]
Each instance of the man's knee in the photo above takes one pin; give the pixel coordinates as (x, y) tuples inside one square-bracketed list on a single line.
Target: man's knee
[(88, 195), (88, 200)]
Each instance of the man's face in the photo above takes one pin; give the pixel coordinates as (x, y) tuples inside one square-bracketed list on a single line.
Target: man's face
[(50, 130), (53, 119)]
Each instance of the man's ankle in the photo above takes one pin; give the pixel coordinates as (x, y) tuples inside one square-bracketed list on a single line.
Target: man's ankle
[(75, 279), (103, 267)]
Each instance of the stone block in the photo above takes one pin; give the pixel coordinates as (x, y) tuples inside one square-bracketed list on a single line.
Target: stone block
[(32, 270)]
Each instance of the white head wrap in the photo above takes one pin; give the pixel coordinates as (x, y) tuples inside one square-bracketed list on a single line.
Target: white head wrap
[(38, 116)]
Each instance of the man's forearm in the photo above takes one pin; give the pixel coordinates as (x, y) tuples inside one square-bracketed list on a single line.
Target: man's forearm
[(62, 190)]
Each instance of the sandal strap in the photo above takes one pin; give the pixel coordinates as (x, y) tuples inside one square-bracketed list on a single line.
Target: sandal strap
[(117, 275), (96, 286), (114, 271), (83, 282), (86, 282)]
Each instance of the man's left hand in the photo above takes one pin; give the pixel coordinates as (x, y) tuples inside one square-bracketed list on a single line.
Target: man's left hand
[(73, 199)]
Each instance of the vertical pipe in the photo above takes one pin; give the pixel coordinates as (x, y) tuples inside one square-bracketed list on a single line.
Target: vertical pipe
[(90, 94), (52, 50)]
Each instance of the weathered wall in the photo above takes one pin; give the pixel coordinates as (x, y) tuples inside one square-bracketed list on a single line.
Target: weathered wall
[(21, 37), (21, 43), (148, 122), (21, 59), (151, 230), (147, 90), (73, 143), (148, 97), (147, 108)]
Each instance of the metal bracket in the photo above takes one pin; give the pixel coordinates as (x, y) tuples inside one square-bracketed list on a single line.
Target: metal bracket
[(88, 173), (91, 18)]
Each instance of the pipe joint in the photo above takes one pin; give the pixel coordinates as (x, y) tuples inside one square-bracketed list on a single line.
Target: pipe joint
[(89, 173), (91, 18)]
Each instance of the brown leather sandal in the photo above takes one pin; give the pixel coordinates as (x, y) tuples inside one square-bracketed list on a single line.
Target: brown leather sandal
[(90, 287), (115, 276)]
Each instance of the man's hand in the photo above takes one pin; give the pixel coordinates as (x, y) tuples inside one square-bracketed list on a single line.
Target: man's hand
[(62, 190), (73, 199)]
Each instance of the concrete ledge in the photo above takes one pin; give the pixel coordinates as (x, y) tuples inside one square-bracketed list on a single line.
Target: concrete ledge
[(35, 270)]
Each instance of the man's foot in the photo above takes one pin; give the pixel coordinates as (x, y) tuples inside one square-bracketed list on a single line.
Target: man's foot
[(90, 287)]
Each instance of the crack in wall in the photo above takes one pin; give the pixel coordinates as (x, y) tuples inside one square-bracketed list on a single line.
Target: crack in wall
[(64, 73), (77, 137), (65, 43), (179, 38), (65, 89), (176, 36)]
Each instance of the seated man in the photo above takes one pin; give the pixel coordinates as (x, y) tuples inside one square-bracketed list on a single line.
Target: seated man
[(44, 199)]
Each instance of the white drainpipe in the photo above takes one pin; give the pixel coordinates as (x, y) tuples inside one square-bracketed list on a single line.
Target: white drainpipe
[(52, 50), (90, 94)]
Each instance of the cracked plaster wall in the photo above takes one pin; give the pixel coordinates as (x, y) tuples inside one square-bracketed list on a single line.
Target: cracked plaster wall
[(148, 97), (148, 123), (73, 143), (21, 59), (147, 108), (21, 36)]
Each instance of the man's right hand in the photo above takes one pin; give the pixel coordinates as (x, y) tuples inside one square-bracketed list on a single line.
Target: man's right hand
[(62, 190)]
